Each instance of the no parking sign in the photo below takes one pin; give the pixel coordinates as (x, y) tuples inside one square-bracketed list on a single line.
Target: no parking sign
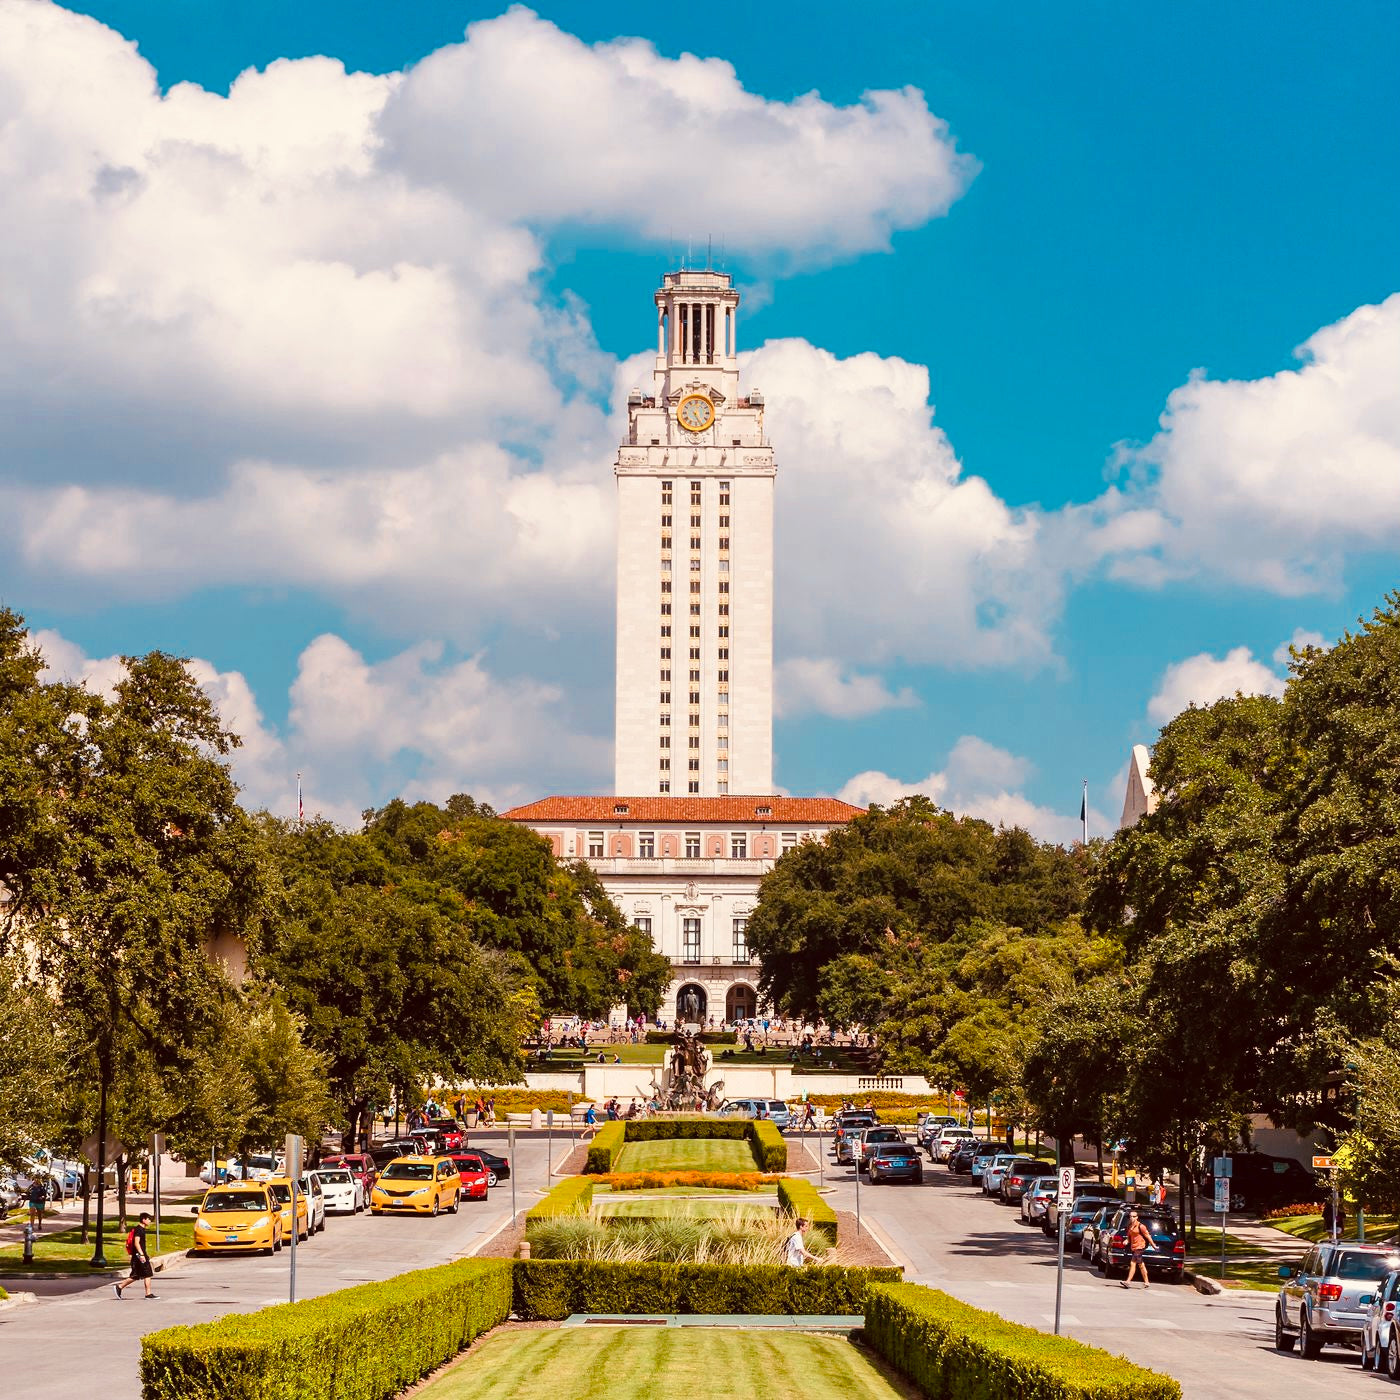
[(1065, 1195)]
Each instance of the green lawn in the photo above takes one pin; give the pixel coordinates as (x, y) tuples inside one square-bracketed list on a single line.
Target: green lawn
[(601, 1190), (629, 1363), (1379, 1228), (687, 1155), (679, 1207), (1246, 1265), (62, 1251)]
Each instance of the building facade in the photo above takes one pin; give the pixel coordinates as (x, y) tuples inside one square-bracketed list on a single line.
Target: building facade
[(686, 870), (695, 480)]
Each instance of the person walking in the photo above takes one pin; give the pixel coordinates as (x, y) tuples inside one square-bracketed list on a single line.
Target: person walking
[(1138, 1241), (37, 1194), (795, 1251), (140, 1259)]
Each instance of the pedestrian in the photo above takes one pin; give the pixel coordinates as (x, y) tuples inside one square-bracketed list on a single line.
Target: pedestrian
[(37, 1194), (795, 1251), (140, 1259), (1138, 1241)]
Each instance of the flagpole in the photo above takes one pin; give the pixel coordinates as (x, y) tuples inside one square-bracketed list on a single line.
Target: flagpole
[(301, 817), (1084, 811)]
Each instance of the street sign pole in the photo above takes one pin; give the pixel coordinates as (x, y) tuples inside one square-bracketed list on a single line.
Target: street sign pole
[(549, 1151), (510, 1149), (1064, 1201), (157, 1148), (1224, 1170), (293, 1164), (855, 1158)]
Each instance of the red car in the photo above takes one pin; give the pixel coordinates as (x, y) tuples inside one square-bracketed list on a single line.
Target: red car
[(359, 1164), (474, 1175), (450, 1135)]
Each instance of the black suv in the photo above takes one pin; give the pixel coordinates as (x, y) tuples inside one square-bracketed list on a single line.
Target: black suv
[(1259, 1180), (961, 1160)]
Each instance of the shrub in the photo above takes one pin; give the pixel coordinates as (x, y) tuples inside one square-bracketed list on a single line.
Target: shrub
[(797, 1197), (768, 1145), (656, 1181), (358, 1344), (573, 1196), (551, 1289), (605, 1149), (686, 1128), (948, 1348), (1289, 1212)]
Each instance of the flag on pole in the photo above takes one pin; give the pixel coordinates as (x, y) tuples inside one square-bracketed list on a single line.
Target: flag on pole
[(301, 811), (1084, 812)]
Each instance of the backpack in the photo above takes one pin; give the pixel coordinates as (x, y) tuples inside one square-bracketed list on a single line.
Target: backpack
[(131, 1241)]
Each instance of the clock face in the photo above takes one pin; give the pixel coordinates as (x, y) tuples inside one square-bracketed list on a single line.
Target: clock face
[(695, 413)]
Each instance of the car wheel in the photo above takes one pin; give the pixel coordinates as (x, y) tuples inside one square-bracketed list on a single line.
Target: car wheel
[(490, 1178), (1392, 1356), (1309, 1343), (268, 1252), (276, 1246), (435, 1208), (1283, 1339), (1369, 1358)]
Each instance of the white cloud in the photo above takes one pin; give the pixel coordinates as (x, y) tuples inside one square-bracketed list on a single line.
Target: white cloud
[(979, 780), (822, 685), (1301, 640), (1204, 679), (414, 725), (1274, 482), (616, 135)]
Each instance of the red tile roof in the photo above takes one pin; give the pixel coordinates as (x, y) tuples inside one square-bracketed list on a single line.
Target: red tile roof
[(789, 811)]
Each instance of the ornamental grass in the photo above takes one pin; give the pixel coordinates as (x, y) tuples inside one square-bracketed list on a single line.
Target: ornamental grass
[(659, 1180), (674, 1241)]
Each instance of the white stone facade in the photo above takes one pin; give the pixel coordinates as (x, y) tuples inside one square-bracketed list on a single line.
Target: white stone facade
[(687, 872), (695, 480)]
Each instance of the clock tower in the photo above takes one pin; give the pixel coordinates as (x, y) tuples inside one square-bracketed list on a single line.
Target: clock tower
[(695, 561)]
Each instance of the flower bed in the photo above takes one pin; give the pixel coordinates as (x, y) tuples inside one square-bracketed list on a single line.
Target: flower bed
[(660, 1181)]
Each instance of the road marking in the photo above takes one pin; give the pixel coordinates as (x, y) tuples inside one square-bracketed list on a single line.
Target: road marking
[(1066, 1319), (1162, 1324)]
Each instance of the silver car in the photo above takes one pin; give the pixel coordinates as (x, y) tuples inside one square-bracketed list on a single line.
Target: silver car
[(1320, 1304), (1036, 1198), (1380, 1338), (993, 1172)]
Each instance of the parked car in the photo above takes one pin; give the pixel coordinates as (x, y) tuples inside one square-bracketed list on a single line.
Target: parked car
[(497, 1168), (994, 1170), (341, 1190), (237, 1216), (1380, 1343), (423, 1185), (280, 1189), (450, 1133), (982, 1156), (1319, 1303), (941, 1146), (360, 1165), (894, 1161), (1036, 1198), (929, 1125), (310, 1187), (1166, 1250), (848, 1123), (1259, 1180), (775, 1110), (1084, 1208), (262, 1165), (1089, 1231), (861, 1146), (962, 1157), (1018, 1175), (474, 1174)]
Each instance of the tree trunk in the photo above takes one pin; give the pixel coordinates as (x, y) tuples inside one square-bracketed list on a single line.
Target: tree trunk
[(87, 1200), (121, 1193)]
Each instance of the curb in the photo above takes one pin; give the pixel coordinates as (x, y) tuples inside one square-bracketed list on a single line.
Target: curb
[(1202, 1284), (17, 1300), (160, 1263), (481, 1244)]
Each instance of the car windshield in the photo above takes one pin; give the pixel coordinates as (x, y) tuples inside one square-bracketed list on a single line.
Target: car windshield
[(409, 1171), (281, 1192), (235, 1200), (470, 1164), (895, 1149), (1362, 1266), (335, 1177)]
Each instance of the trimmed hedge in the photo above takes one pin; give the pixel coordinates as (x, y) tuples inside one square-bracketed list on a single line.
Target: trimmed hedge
[(767, 1144), (572, 1196), (950, 1349), (551, 1289), (605, 1149), (797, 1197), (366, 1343)]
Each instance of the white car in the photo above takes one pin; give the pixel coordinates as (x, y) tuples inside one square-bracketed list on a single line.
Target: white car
[(315, 1203), (948, 1138), (341, 1190)]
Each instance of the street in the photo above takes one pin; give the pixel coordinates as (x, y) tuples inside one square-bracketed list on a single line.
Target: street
[(945, 1233), (78, 1337)]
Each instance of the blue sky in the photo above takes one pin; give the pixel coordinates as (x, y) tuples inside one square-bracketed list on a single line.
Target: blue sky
[(1110, 200)]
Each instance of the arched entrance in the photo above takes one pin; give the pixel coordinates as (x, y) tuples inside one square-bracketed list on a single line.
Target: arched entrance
[(691, 1004), (741, 1003)]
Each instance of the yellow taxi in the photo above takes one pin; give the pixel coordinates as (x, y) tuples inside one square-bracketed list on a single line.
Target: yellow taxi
[(240, 1215), (281, 1189), (425, 1185)]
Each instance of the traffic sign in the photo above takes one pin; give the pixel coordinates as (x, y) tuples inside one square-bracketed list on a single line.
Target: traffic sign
[(1224, 1166), (1222, 1194), (1322, 1164), (1065, 1196)]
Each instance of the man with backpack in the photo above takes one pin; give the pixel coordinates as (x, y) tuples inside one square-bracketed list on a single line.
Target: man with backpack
[(140, 1259)]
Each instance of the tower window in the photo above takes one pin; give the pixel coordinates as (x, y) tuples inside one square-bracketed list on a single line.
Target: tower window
[(666, 631), (724, 631), (722, 741), (695, 542), (695, 582), (723, 789), (724, 721), (724, 541), (694, 522), (724, 609), (695, 697), (665, 610), (723, 653), (694, 609), (694, 741), (694, 631), (665, 653), (692, 787), (723, 521), (694, 720), (665, 741), (723, 675), (724, 585), (695, 653), (665, 765), (665, 697), (694, 764), (665, 719), (695, 569), (666, 677), (695, 676), (665, 585), (724, 765), (664, 785)]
